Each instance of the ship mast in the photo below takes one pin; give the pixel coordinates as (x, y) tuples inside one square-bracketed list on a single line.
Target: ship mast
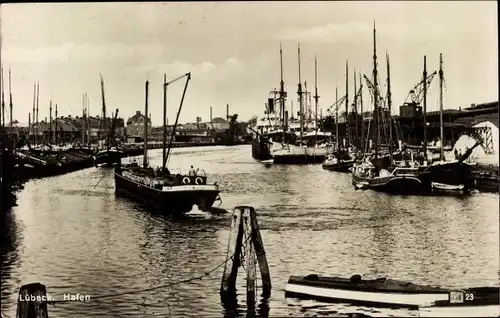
[(282, 94), (145, 161), (425, 108), (362, 143), (50, 123), (3, 99), (389, 105), (32, 116), (299, 92), (376, 110), (165, 120), (337, 118), (37, 100), (347, 139), (55, 128), (103, 125), (355, 103), (316, 97), (10, 101), (188, 78), (441, 78)]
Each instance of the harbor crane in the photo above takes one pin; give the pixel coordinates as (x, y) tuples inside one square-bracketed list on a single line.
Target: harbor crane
[(415, 95)]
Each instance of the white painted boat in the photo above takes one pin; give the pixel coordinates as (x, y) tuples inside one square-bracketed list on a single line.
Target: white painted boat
[(442, 187), (381, 292), (474, 302)]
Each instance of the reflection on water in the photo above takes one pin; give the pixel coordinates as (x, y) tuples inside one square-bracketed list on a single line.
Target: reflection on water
[(75, 238)]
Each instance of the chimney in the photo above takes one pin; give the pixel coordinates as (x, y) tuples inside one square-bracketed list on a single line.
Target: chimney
[(210, 113), (137, 112), (227, 112)]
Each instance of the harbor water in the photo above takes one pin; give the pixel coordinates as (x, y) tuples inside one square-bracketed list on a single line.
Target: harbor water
[(79, 238)]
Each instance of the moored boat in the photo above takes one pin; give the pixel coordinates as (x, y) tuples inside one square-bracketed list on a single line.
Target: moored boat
[(108, 157), (167, 192), (475, 302), (392, 180), (339, 161), (170, 193), (381, 292), (447, 188)]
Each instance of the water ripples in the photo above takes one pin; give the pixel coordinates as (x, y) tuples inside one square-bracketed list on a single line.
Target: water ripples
[(74, 235)]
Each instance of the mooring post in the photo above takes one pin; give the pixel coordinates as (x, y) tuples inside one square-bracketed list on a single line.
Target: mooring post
[(228, 284), (31, 302), (249, 257), (245, 236), (261, 256)]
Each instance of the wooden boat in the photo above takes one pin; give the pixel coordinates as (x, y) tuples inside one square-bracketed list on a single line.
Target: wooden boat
[(170, 193), (292, 154), (391, 180), (381, 292), (447, 188), (475, 302), (376, 173), (108, 157), (338, 161)]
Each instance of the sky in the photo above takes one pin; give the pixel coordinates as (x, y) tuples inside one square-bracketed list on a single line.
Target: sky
[(232, 52)]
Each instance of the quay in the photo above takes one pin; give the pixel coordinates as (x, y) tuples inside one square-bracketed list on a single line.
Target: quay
[(486, 177)]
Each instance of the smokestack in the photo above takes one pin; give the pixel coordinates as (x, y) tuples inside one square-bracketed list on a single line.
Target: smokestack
[(210, 113), (227, 111)]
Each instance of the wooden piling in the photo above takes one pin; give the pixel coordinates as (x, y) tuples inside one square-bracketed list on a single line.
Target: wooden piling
[(249, 257), (261, 256), (31, 302), (228, 285), (245, 237)]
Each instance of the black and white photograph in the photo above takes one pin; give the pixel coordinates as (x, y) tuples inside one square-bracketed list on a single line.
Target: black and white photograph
[(249, 159)]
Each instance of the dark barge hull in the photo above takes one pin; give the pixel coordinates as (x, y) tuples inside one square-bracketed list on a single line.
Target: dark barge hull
[(341, 166), (390, 184), (170, 203), (108, 158), (39, 166), (298, 159), (260, 149), (374, 293), (452, 173)]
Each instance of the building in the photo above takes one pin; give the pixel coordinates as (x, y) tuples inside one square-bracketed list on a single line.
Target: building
[(135, 127), (59, 131), (219, 123)]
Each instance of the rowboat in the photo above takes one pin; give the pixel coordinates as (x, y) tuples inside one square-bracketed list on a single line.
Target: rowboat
[(447, 188), (380, 292), (475, 302)]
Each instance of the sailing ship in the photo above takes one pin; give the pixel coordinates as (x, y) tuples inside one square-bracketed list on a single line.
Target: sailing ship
[(112, 154), (374, 173), (273, 128), (170, 193), (445, 175), (342, 158), (311, 147)]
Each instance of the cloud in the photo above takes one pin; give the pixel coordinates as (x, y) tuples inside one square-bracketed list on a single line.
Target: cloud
[(360, 31), (84, 53), (223, 70)]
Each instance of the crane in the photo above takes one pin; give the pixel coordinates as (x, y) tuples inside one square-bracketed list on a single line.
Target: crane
[(416, 94), (336, 105)]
